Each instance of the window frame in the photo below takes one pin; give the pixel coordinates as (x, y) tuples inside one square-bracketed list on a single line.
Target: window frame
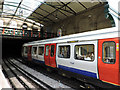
[(46, 50), (84, 45), (51, 50), (36, 50), (103, 53), (43, 50), (63, 46)]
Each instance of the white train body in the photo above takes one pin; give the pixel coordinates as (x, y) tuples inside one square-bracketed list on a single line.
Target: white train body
[(92, 57), (74, 44)]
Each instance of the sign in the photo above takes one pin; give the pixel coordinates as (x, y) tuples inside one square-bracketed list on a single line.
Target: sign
[(59, 33)]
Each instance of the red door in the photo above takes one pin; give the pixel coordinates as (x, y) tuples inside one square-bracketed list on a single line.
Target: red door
[(50, 55), (53, 55), (108, 60), (47, 54), (29, 53)]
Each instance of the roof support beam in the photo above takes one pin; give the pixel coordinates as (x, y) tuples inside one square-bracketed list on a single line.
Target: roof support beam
[(55, 10), (82, 4), (68, 7), (15, 12), (61, 9), (48, 12), (63, 13), (43, 16)]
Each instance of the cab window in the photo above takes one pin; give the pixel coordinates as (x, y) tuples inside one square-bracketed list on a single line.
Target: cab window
[(64, 51), (84, 52), (109, 55)]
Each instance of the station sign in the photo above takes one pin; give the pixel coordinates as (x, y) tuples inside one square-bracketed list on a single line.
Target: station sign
[(59, 33)]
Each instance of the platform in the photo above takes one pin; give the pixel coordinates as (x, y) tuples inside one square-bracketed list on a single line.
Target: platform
[(3, 81)]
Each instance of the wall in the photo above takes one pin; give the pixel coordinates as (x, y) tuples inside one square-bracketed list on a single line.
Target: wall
[(90, 20), (19, 23)]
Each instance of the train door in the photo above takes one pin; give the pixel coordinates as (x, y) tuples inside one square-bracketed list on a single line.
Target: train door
[(108, 60), (50, 55), (29, 53)]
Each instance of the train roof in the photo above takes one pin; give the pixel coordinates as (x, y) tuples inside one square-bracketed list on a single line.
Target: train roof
[(85, 36)]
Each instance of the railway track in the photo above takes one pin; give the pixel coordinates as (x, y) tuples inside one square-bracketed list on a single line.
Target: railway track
[(10, 68), (16, 79), (24, 82), (73, 83)]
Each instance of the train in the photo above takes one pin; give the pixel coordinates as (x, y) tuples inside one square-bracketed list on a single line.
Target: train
[(92, 57)]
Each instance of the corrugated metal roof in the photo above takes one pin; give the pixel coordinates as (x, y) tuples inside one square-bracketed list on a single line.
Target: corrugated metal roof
[(44, 11), (18, 10), (52, 12)]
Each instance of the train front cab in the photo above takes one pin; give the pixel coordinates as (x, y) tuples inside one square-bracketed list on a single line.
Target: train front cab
[(108, 61)]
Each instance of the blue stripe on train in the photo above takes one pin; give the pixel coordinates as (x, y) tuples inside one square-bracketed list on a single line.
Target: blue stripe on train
[(38, 61), (86, 73)]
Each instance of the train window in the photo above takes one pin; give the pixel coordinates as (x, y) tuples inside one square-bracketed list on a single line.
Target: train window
[(52, 50), (64, 51), (47, 50), (34, 50), (41, 51), (26, 50), (109, 52), (84, 52)]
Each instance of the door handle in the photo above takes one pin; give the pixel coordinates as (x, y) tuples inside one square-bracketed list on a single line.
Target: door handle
[(71, 62)]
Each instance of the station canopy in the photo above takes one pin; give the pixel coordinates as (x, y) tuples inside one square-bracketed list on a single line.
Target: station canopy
[(44, 11)]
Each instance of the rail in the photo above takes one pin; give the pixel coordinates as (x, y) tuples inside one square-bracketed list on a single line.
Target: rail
[(41, 84), (16, 76)]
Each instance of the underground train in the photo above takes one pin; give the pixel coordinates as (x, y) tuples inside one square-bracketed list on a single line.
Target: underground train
[(92, 57)]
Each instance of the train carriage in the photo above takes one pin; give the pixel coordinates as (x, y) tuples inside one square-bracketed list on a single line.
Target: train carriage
[(92, 57)]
